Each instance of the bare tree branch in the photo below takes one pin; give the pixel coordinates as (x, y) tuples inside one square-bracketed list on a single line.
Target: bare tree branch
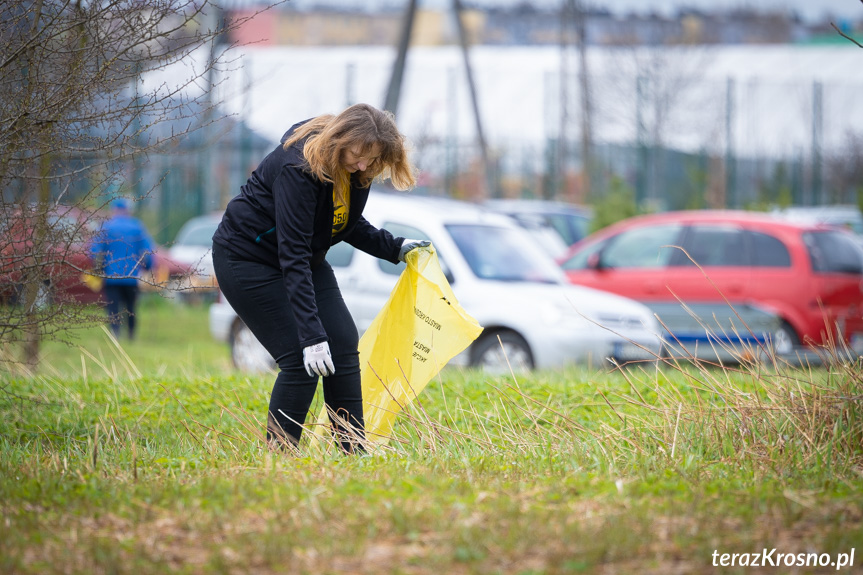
[(846, 36), (87, 91)]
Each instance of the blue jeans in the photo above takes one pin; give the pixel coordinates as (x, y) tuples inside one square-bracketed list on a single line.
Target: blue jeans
[(258, 295)]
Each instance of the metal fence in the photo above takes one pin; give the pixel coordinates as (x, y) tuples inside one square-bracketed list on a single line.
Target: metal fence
[(725, 127)]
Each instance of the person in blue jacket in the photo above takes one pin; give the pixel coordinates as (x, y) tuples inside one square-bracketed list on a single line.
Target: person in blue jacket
[(269, 257), (120, 250)]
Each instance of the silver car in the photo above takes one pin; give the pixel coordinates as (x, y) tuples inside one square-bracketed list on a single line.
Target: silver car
[(532, 318), (193, 247), (556, 225)]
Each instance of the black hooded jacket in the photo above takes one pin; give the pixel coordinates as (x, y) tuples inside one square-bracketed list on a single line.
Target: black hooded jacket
[(283, 216)]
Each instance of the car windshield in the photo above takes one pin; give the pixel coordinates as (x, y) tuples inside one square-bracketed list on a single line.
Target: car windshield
[(197, 234), (503, 254)]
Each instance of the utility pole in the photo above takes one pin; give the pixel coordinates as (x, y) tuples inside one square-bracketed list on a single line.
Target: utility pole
[(480, 134), (350, 95), (731, 200), (573, 31), (586, 107), (642, 165), (391, 101), (566, 32), (817, 195)]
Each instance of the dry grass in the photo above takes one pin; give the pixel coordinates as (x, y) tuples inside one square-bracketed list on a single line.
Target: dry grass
[(645, 468)]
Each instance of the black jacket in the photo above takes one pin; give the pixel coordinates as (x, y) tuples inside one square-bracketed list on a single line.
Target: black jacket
[(283, 216)]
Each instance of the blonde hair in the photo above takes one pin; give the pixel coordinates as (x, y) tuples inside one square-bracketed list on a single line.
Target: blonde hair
[(360, 126)]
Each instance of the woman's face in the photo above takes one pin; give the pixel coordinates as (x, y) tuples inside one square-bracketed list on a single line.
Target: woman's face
[(354, 159)]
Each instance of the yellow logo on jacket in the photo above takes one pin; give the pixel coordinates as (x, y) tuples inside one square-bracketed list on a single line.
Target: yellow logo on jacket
[(341, 207)]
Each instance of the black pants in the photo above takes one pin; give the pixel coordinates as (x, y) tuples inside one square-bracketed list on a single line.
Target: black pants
[(117, 296), (257, 293)]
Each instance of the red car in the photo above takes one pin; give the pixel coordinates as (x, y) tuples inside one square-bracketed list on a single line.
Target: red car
[(61, 254), (810, 276)]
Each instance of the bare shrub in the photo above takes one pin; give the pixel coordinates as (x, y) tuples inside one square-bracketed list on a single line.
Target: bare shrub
[(87, 89)]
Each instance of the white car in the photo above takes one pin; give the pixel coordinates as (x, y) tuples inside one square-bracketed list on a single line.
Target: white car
[(193, 246), (531, 317), (556, 225)]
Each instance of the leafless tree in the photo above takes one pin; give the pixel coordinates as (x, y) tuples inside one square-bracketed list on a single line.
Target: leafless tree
[(87, 89), (846, 169)]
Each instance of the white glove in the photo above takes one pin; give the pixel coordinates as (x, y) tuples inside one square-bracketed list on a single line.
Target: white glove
[(318, 360), (408, 245)]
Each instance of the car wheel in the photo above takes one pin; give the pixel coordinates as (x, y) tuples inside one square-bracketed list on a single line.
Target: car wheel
[(785, 339), (497, 356), (247, 353)]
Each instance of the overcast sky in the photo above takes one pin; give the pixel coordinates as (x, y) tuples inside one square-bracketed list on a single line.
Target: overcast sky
[(807, 9)]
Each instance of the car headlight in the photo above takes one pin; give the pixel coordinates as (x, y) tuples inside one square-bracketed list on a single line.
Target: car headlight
[(621, 322)]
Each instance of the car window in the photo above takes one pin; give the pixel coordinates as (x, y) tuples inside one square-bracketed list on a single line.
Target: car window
[(833, 252), (580, 259), (644, 247), (768, 252), (712, 245), (570, 227), (503, 254), (404, 231), (341, 254)]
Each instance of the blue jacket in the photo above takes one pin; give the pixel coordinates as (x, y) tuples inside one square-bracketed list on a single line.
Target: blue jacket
[(121, 249), (283, 217)]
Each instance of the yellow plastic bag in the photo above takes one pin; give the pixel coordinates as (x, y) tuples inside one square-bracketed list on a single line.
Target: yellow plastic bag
[(420, 328), (93, 282)]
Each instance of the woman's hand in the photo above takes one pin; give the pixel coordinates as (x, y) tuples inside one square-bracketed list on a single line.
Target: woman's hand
[(408, 245), (318, 360)]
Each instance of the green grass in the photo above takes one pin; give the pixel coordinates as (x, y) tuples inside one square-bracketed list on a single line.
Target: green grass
[(149, 460), (170, 338)]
